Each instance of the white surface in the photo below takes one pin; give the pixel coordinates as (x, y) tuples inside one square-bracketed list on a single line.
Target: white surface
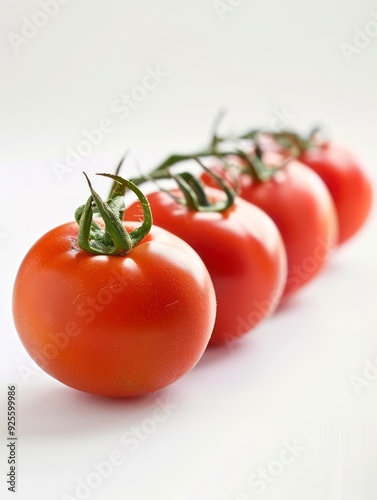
[(290, 379)]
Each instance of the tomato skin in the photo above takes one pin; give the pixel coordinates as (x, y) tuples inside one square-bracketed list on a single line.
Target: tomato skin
[(242, 250), (114, 326), (347, 183), (299, 203)]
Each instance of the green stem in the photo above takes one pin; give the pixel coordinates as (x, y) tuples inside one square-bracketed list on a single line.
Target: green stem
[(173, 159), (141, 232), (255, 166), (190, 180), (230, 193), (259, 171), (162, 172), (155, 175), (114, 239), (116, 188), (215, 138), (290, 141)]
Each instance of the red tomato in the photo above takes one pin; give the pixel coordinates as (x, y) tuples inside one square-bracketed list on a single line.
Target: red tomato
[(111, 325), (301, 206), (242, 250), (347, 183)]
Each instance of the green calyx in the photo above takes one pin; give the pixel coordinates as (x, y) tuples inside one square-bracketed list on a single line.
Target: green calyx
[(113, 239), (194, 195)]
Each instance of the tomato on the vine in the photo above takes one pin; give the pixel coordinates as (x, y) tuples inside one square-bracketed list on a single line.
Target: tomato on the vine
[(119, 322), (339, 169), (301, 206), (241, 248), (347, 182)]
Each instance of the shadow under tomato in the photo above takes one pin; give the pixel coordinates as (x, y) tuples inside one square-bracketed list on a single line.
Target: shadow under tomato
[(63, 411), (290, 303), (219, 353), (334, 268)]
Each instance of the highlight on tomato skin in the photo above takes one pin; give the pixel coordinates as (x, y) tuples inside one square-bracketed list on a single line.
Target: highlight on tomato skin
[(242, 249), (347, 182), (112, 320)]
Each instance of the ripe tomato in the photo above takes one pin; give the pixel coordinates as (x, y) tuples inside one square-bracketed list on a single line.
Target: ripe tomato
[(299, 203), (347, 183), (114, 325), (242, 250)]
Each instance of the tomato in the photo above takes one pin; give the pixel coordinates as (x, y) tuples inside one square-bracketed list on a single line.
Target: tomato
[(114, 325), (242, 250), (347, 183), (302, 208)]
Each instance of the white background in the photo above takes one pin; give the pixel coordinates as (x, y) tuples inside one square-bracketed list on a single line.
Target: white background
[(290, 380)]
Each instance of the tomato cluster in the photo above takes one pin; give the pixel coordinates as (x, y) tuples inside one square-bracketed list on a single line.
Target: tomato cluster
[(112, 306)]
